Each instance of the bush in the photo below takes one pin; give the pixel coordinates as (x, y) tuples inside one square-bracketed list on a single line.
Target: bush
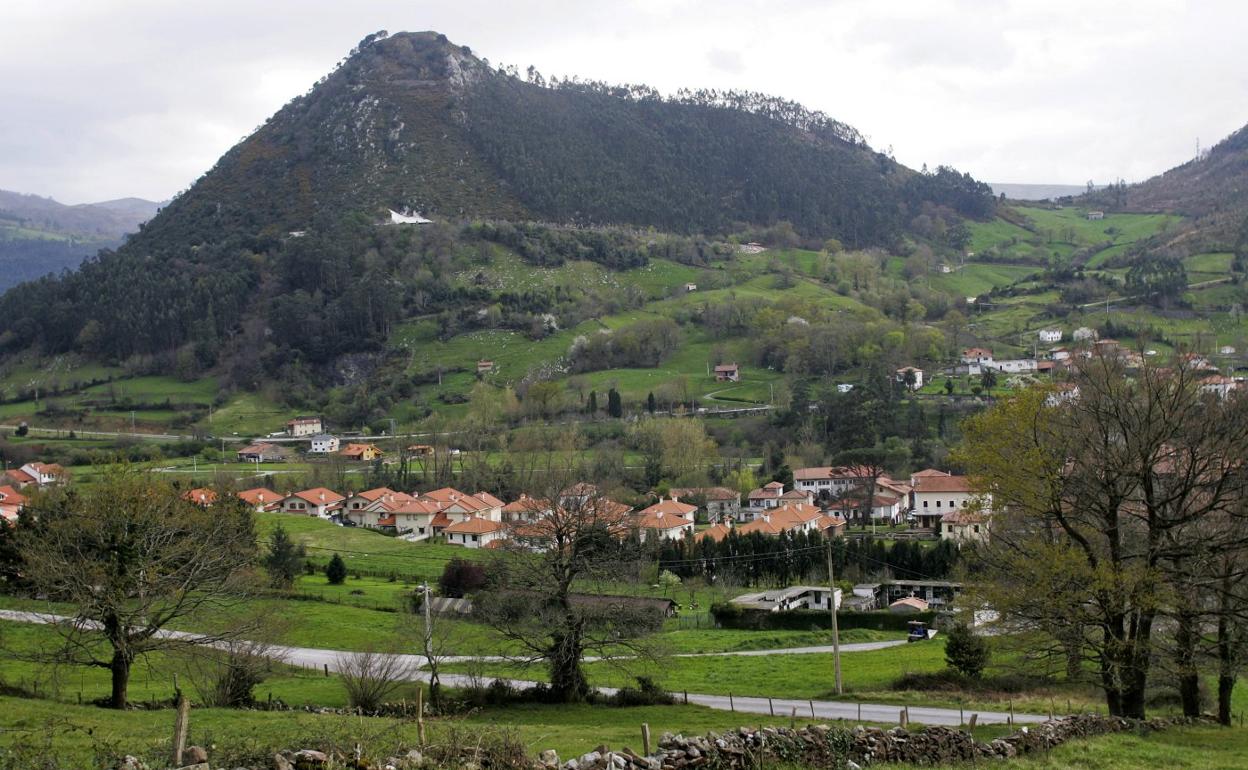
[(966, 651), (371, 678), (729, 615), (646, 693), (461, 577)]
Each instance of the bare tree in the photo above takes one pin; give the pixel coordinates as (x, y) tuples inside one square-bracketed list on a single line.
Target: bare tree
[(371, 678), (132, 558), (571, 538), (1098, 499)]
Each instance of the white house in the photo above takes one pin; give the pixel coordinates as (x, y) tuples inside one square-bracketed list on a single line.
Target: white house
[(324, 444), (304, 426), (981, 356), (766, 496), (666, 520), (1219, 385), (318, 501), (911, 370), (475, 532), (964, 527), (1014, 365), (1049, 335)]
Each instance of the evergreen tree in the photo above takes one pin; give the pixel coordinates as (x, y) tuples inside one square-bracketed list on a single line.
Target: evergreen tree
[(615, 406), (336, 571), (966, 651), (592, 406), (284, 561), (650, 403)]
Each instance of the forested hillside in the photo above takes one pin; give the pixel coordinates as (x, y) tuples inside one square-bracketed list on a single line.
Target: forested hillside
[(281, 242)]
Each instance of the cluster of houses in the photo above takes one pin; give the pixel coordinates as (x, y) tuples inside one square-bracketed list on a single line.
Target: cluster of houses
[(900, 597), (312, 430), (32, 474), (1086, 345), (824, 500)]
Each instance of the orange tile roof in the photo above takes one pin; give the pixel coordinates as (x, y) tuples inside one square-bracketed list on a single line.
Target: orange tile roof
[(943, 484), (489, 499), (662, 520), (670, 508), (373, 495), (20, 476), (11, 496), (259, 496), (319, 496), (716, 532), (412, 506), (200, 496)]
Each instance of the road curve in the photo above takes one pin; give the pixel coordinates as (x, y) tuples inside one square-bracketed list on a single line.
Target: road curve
[(333, 660)]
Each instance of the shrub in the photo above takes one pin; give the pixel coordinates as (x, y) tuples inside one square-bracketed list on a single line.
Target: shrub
[(461, 577), (371, 678), (646, 693)]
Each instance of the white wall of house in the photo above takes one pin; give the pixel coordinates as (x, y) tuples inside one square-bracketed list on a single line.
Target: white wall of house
[(472, 539)]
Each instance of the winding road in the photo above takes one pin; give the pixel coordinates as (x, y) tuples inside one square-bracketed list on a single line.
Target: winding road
[(333, 660)]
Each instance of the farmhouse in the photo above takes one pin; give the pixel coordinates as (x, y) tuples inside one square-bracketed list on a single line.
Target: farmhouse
[(727, 373), (304, 426), (791, 598), (977, 356), (1049, 336), (37, 474), (361, 452), (317, 501), (831, 481), (721, 503), (262, 452), (964, 527), (936, 495), (766, 496)]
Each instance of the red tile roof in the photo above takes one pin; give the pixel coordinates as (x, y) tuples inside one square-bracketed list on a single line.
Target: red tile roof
[(259, 496), (200, 496), (671, 508), (943, 484), (474, 525), (319, 496)]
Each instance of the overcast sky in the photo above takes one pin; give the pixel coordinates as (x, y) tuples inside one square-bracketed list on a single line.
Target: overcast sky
[(108, 98)]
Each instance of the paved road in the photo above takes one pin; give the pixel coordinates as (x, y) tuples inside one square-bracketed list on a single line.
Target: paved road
[(333, 660)]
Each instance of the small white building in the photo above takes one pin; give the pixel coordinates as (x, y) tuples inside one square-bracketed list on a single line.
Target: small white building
[(1096, 216), (1049, 335), (324, 444), (1015, 365), (982, 356), (319, 501), (791, 598), (474, 532), (918, 376)]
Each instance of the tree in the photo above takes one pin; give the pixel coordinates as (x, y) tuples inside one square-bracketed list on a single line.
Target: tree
[(531, 601), (988, 378), (336, 570), (668, 580), (1157, 277), (131, 558), (615, 406), (284, 561), (966, 651), (650, 404), (949, 386), (591, 407), (1104, 499), (461, 577), (371, 677)]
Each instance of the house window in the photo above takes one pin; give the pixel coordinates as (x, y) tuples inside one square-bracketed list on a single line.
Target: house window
[(976, 529), (474, 538), (422, 530), (951, 505), (924, 503), (937, 503)]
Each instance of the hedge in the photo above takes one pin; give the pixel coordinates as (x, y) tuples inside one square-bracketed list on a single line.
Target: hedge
[(729, 615)]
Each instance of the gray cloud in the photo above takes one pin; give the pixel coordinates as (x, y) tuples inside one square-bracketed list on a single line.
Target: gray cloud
[(104, 98)]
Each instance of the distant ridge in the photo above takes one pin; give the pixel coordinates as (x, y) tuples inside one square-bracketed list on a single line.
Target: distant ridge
[(1037, 192)]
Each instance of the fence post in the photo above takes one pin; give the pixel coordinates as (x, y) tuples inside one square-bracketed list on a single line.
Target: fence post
[(1011, 713), (731, 706), (859, 712), (326, 667), (970, 727), (901, 718), (181, 723), (770, 706), (420, 715), (961, 718), (645, 739), (686, 697), (812, 709)]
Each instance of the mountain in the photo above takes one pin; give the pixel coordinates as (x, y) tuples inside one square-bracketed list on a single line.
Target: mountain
[(283, 232), (1212, 190), (39, 236), (1036, 192)]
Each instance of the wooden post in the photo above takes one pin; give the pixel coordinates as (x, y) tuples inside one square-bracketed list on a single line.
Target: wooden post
[(181, 723), (812, 709), (970, 727), (326, 665), (907, 710), (686, 697), (645, 739), (770, 706), (859, 712), (793, 719), (731, 706), (901, 718), (961, 718), (1011, 713), (420, 715)]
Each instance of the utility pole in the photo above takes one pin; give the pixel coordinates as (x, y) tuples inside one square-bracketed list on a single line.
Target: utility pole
[(836, 634)]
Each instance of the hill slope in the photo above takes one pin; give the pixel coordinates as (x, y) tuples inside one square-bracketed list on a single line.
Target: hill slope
[(39, 236), (414, 122)]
